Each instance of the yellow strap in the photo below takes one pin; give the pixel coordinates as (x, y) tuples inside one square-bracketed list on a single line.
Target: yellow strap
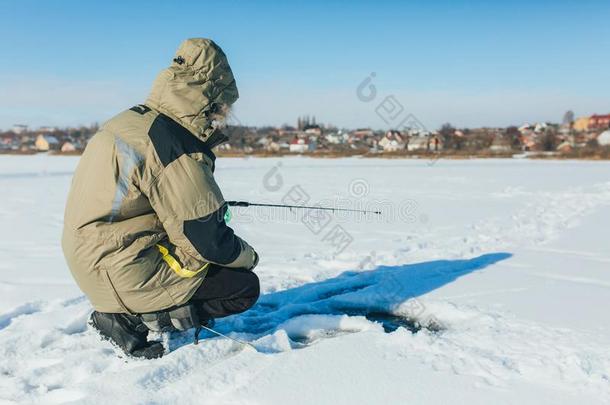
[(175, 265)]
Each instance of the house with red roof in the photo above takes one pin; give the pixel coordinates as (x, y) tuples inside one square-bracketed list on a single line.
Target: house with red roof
[(599, 121)]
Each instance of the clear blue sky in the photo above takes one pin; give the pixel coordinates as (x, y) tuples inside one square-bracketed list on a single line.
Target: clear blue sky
[(470, 63)]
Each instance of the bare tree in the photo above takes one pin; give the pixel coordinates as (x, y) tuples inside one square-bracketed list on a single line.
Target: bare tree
[(447, 133), (549, 141), (568, 118)]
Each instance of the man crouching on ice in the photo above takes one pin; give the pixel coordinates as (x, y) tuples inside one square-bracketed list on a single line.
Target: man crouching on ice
[(144, 231)]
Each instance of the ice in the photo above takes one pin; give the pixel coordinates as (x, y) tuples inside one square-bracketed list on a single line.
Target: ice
[(484, 281)]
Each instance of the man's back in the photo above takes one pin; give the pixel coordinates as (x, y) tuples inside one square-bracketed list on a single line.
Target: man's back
[(110, 226)]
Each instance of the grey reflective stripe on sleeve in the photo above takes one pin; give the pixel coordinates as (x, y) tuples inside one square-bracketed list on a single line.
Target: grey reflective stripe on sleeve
[(130, 159)]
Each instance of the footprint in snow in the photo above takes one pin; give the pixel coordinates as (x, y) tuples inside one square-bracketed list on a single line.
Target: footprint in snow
[(28, 308)]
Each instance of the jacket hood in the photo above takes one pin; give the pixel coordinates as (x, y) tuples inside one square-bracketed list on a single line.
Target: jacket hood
[(198, 77)]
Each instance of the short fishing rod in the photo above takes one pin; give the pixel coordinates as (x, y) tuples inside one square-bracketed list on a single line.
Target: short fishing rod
[(249, 204)]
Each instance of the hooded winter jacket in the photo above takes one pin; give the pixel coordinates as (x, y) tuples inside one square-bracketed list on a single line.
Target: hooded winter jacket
[(144, 215)]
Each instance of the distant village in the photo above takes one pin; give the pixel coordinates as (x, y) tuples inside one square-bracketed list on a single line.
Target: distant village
[(583, 137)]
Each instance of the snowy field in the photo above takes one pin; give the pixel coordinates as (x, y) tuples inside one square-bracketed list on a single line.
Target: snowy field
[(484, 281)]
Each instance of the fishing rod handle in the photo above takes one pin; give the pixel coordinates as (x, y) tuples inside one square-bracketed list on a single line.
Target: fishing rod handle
[(238, 203)]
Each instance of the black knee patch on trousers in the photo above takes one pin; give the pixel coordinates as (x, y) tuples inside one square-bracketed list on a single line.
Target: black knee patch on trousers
[(253, 289), (226, 292)]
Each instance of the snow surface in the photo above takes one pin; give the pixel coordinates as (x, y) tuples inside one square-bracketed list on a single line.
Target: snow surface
[(501, 266)]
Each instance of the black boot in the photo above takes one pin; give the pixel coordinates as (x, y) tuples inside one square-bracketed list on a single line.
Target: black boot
[(126, 332)]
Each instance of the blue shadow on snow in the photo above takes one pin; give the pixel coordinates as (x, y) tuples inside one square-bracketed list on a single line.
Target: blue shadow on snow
[(373, 294), (377, 291)]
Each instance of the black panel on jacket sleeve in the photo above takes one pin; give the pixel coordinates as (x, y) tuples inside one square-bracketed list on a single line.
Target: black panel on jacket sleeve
[(212, 238)]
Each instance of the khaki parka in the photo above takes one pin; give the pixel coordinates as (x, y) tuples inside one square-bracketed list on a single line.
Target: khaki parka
[(144, 215)]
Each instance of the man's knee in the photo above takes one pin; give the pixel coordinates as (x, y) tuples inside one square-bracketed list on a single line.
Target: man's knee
[(253, 290), (227, 292)]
